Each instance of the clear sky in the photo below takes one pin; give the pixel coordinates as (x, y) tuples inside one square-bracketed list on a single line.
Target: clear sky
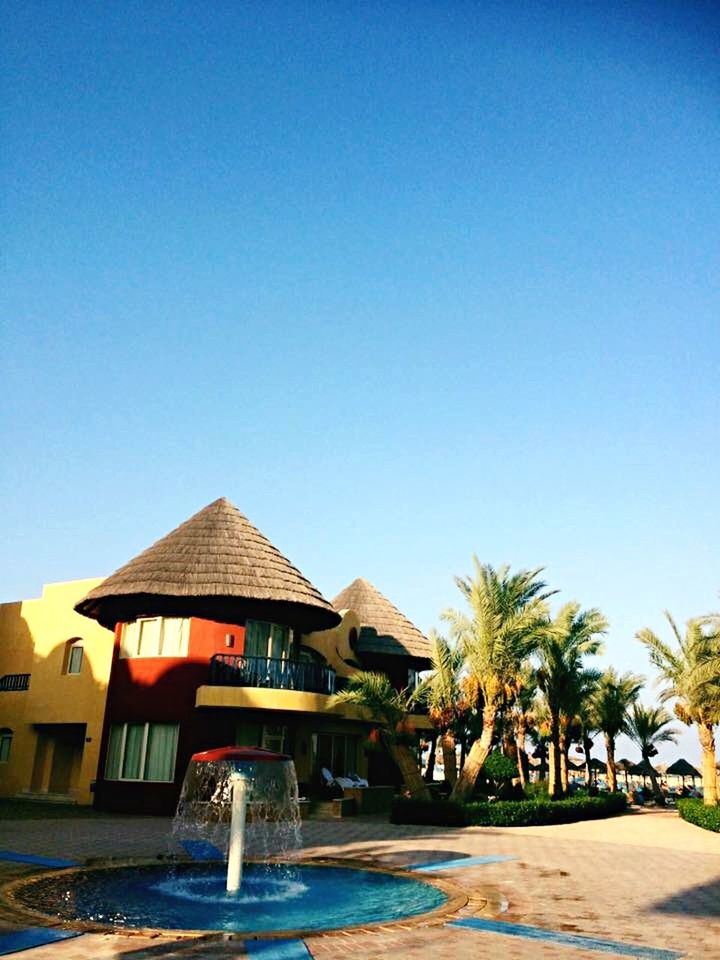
[(404, 281)]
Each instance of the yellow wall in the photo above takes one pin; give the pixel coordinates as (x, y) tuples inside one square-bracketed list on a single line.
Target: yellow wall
[(33, 638)]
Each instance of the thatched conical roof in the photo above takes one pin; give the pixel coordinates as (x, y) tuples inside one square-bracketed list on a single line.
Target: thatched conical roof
[(642, 769), (682, 768), (383, 629), (216, 565)]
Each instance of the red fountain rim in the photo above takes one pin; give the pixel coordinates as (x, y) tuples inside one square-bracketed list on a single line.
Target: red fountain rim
[(258, 754)]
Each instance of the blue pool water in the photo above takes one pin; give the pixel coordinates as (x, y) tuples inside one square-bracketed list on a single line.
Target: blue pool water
[(193, 897)]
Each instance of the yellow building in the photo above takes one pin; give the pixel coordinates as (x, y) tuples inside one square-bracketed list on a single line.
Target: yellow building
[(54, 670)]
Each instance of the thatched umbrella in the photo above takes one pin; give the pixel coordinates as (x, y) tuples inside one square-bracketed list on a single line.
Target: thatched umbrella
[(596, 767), (643, 769), (681, 768), (216, 566), (625, 766), (383, 629)]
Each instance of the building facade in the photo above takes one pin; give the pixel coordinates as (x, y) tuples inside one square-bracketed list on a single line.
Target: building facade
[(54, 673), (212, 638)]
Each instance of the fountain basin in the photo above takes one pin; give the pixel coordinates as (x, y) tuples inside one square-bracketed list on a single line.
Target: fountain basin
[(276, 899)]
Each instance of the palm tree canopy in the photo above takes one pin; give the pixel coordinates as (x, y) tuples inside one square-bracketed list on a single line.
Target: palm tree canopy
[(508, 612), (647, 727), (572, 635), (374, 694), (440, 692), (691, 670), (613, 698)]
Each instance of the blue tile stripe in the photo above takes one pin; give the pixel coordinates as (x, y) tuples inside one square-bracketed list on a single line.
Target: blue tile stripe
[(201, 850), (566, 939), (454, 864), (19, 940), (36, 861), (277, 949)]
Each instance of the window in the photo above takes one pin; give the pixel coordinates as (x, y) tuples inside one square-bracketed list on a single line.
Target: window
[(273, 738), (73, 656), (155, 637), (6, 736), (264, 639), (142, 751), (336, 751)]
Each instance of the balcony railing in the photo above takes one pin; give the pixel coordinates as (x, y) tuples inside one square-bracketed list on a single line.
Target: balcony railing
[(230, 670), (14, 681)]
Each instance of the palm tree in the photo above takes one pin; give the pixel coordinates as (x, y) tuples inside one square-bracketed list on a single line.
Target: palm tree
[(573, 719), (522, 716), (691, 672), (647, 728), (441, 694), (610, 703), (572, 635), (376, 697), (507, 614)]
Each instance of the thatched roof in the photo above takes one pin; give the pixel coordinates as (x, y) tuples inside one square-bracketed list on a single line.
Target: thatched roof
[(383, 629), (682, 768), (216, 565), (642, 769)]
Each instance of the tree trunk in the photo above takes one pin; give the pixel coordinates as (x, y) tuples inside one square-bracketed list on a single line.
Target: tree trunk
[(447, 742), (543, 769), (430, 770), (709, 771), (611, 769), (587, 747), (555, 786), (522, 758), (657, 792), (475, 759), (564, 749), (407, 764), (463, 748)]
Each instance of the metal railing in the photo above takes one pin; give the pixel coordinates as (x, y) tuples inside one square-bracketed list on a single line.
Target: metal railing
[(14, 681), (231, 670)]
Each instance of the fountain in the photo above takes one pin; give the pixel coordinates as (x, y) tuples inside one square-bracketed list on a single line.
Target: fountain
[(238, 819), (220, 789)]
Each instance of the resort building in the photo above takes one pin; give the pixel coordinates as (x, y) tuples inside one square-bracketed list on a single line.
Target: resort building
[(220, 640), (54, 671)]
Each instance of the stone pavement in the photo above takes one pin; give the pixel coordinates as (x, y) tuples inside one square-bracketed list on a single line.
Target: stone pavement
[(646, 878)]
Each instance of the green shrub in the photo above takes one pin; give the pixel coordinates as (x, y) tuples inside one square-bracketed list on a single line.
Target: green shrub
[(507, 813), (538, 790), (439, 813), (499, 767), (695, 811), (531, 813)]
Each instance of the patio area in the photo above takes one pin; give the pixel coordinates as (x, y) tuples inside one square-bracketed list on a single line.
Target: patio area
[(645, 885)]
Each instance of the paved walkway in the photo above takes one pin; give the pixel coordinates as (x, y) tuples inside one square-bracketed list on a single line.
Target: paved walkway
[(646, 878)]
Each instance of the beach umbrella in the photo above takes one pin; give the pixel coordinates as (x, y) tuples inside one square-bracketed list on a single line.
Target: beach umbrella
[(625, 766), (681, 768), (642, 769)]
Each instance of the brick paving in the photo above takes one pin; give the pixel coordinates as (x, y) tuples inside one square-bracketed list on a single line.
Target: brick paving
[(646, 878)]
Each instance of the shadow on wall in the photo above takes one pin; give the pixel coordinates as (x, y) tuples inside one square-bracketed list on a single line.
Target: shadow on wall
[(55, 723)]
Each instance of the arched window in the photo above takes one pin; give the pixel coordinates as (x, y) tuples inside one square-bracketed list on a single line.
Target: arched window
[(73, 656), (6, 736)]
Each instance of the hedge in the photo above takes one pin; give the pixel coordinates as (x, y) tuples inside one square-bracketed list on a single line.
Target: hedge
[(695, 811), (532, 813), (507, 813)]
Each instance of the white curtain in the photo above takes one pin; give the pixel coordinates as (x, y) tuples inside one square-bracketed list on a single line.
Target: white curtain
[(133, 751), (161, 750)]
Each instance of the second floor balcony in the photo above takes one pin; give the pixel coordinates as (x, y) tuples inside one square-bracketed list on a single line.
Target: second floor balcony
[(230, 670)]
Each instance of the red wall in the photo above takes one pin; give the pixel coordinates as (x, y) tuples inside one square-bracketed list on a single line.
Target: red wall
[(161, 689)]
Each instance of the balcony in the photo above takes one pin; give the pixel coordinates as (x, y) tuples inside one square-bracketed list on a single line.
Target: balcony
[(230, 670), (14, 681)]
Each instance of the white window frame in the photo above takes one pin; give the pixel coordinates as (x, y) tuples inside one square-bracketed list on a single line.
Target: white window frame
[(77, 645), (143, 753), (127, 654)]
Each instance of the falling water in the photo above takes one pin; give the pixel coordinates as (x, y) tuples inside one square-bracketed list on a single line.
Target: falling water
[(202, 822)]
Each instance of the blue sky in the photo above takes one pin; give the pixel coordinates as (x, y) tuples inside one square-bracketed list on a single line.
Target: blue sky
[(404, 281)]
